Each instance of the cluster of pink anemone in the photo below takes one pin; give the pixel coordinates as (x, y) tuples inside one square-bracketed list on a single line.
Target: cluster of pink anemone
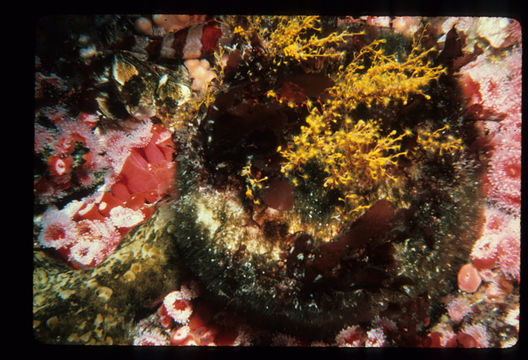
[(140, 172)]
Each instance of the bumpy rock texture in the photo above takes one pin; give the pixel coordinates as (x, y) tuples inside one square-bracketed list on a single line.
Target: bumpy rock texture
[(100, 305)]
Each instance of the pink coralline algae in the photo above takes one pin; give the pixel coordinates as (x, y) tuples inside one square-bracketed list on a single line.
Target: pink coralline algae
[(140, 171)]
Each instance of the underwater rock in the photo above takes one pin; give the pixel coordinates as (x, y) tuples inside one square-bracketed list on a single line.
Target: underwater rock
[(309, 280), (295, 262), (332, 179), (101, 305)]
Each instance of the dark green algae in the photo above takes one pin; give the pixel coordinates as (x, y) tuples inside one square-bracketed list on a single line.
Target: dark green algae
[(410, 264), (395, 262)]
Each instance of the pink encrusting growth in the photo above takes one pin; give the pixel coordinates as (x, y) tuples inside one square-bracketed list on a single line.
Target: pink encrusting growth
[(124, 217), (495, 87), (43, 137), (509, 251), (458, 308), (95, 241), (351, 336), (140, 173), (129, 169), (500, 243), (150, 337), (61, 230), (478, 333), (444, 338), (178, 306), (375, 338), (68, 150), (190, 322)]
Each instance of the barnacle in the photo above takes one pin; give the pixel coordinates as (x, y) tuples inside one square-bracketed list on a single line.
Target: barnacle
[(132, 88)]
